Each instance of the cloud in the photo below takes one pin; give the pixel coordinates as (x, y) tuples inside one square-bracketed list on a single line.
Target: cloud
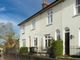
[(15, 27), (2, 41), (6, 21), (2, 9), (13, 18)]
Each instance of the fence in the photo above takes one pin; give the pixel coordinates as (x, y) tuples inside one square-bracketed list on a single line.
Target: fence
[(74, 50)]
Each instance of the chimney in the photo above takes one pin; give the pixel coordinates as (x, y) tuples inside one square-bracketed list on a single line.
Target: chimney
[(45, 3)]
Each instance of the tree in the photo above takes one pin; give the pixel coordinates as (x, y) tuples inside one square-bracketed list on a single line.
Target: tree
[(7, 33)]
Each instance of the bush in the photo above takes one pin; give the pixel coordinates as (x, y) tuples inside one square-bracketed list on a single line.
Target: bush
[(57, 48), (23, 50)]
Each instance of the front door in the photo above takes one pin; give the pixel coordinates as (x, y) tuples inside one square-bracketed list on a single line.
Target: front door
[(67, 45)]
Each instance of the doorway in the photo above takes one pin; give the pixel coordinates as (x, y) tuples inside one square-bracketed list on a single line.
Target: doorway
[(67, 41)]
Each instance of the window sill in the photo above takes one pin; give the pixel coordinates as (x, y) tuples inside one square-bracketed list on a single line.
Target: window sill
[(23, 33), (49, 24), (32, 29), (76, 15)]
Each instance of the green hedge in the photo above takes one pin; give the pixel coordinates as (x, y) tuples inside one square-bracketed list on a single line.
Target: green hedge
[(57, 48), (23, 50)]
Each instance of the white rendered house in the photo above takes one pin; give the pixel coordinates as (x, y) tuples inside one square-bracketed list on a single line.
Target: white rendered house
[(60, 19)]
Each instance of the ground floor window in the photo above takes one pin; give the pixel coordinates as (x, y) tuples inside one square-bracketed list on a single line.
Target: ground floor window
[(24, 42), (58, 34), (47, 40), (35, 42)]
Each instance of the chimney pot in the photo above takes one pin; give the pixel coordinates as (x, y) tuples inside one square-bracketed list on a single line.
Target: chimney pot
[(45, 3)]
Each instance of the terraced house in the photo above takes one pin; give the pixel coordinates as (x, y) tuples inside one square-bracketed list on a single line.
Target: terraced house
[(58, 20)]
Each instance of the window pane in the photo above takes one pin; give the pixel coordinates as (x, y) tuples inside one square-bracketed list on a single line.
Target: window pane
[(35, 42), (50, 16), (49, 43), (77, 2), (58, 34), (58, 37), (47, 40), (33, 24), (46, 36), (24, 43), (50, 19), (46, 43), (78, 9)]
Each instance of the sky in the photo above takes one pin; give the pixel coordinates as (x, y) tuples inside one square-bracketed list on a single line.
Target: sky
[(16, 11)]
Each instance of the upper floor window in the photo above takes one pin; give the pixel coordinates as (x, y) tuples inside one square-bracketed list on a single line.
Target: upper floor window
[(23, 29), (33, 24), (78, 6), (50, 16)]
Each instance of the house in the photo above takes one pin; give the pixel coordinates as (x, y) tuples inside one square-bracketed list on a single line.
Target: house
[(58, 20)]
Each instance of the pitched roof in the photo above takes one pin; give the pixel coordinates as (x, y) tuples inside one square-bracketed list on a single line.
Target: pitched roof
[(56, 2)]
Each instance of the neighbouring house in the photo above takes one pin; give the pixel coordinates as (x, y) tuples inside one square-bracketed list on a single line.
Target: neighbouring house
[(1, 49), (58, 20)]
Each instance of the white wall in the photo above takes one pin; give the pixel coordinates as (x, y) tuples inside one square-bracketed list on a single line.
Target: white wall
[(63, 16)]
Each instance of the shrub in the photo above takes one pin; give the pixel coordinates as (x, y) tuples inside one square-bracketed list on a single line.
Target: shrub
[(23, 50), (57, 48)]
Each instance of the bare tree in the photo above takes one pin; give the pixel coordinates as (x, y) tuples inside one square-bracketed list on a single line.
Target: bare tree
[(7, 33)]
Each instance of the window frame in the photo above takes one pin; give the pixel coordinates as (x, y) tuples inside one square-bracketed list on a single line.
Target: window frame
[(47, 40), (58, 34), (24, 42), (50, 16), (23, 29), (35, 41), (33, 24), (77, 7)]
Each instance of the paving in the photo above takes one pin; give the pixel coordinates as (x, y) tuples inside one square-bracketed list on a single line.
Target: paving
[(6, 58), (2, 58), (16, 58)]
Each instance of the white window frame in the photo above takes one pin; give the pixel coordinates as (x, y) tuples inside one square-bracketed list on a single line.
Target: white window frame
[(57, 35), (50, 16), (47, 40), (33, 24), (76, 12), (24, 42), (23, 29), (35, 42)]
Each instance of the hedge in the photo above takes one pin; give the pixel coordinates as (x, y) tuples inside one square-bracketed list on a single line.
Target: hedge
[(58, 47), (23, 50)]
